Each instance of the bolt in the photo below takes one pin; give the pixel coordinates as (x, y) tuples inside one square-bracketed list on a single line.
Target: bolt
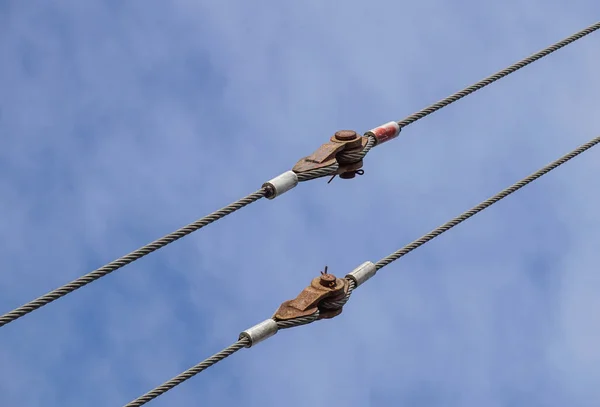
[(328, 280), (347, 175), (346, 135)]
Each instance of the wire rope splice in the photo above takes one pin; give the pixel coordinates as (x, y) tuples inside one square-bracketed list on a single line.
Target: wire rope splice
[(311, 299), (343, 154), (323, 298)]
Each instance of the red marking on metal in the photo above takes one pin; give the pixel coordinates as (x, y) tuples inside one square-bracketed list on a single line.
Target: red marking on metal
[(386, 132)]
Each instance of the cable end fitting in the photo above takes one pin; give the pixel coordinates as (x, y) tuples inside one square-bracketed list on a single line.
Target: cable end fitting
[(281, 184), (362, 273), (260, 332), (385, 132)]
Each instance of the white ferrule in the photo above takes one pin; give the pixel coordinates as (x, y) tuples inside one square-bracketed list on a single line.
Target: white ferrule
[(281, 184), (362, 273), (260, 332)]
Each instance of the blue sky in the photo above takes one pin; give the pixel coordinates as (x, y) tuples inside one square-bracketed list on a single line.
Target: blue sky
[(122, 121)]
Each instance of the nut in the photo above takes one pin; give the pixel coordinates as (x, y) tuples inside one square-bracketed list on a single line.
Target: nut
[(346, 135), (327, 280)]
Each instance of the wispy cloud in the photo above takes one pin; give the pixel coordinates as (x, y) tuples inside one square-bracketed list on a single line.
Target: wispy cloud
[(121, 121)]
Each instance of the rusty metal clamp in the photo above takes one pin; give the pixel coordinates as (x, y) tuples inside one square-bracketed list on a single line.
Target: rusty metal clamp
[(326, 286), (344, 140)]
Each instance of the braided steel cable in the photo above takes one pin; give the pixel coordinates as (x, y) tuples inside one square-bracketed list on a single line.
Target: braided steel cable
[(493, 78), (357, 156), (337, 304), (293, 323), (214, 359), (129, 258), (485, 204), (317, 173), (188, 374), (354, 156)]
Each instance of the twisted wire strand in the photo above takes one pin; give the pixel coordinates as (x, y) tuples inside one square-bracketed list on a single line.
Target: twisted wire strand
[(337, 304), (188, 374), (129, 258), (214, 359), (293, 323), (485, 204), (493, 78), (354, 156), (351, 157), (317, 173)]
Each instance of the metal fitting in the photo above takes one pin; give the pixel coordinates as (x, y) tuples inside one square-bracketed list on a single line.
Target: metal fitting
[(324, 287), (281, 184), (346, 135), (385, 132), (362, 273), (260, 332), (346, 141)]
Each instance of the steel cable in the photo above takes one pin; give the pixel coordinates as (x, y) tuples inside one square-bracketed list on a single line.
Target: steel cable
[(317, 173), (485, 204), (217, 357), (129, 258), (188, 374), (356, 156), (498, 75)]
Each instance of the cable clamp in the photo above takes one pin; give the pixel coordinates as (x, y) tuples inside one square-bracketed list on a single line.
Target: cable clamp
[(325, 287), (346, 141)]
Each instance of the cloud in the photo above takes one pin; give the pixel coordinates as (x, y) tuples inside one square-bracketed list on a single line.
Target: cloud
[(120, 122)]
